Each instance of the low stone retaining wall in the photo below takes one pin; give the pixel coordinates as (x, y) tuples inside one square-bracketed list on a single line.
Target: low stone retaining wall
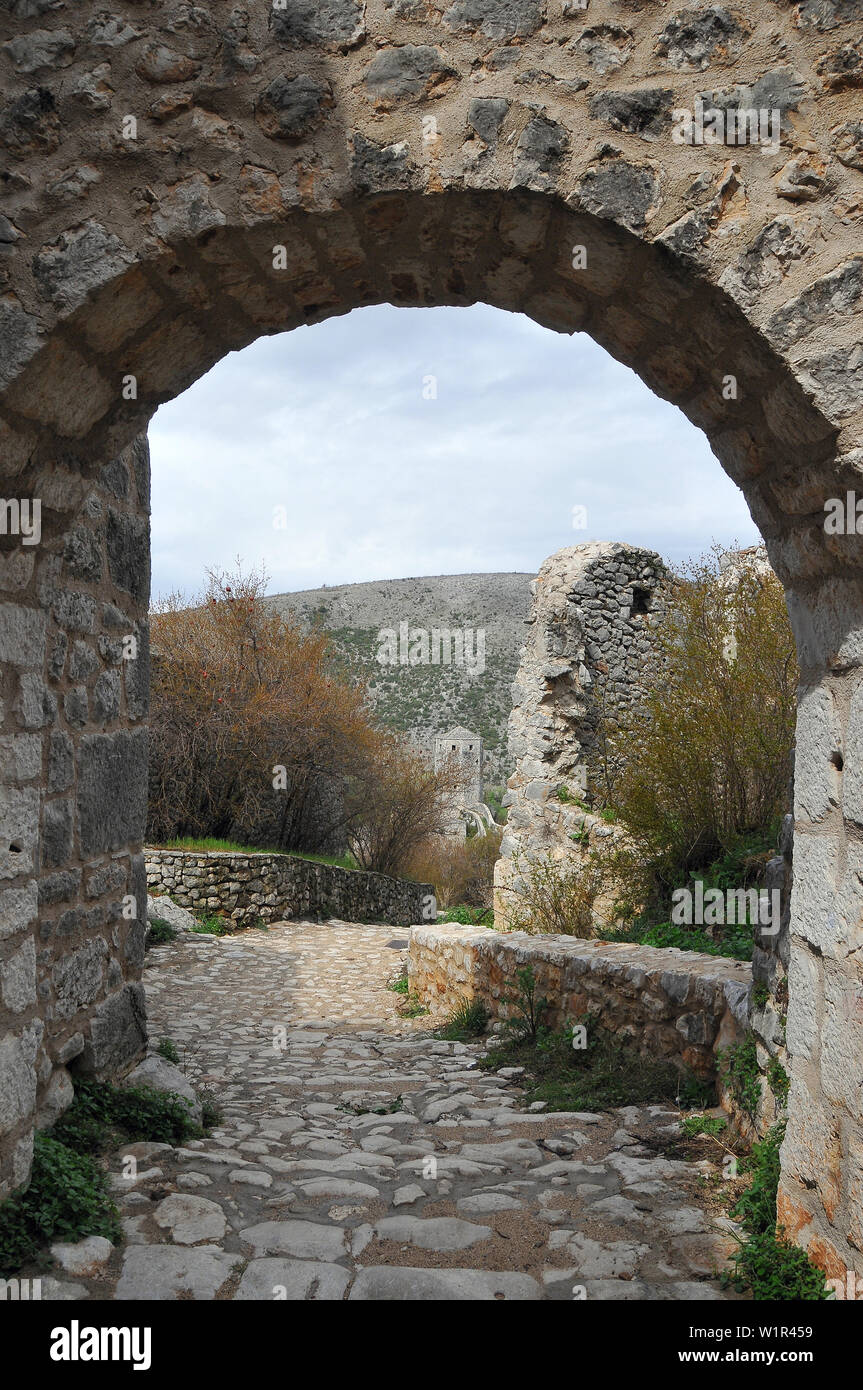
[(673, 1004), (249, 888)]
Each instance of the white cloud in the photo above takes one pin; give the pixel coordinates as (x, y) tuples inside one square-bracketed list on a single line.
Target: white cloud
[(379, 483)]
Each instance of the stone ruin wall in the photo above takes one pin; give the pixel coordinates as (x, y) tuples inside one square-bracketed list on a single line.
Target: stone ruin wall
[(306, 127), (592, 633), (74, 695), (586, 656)]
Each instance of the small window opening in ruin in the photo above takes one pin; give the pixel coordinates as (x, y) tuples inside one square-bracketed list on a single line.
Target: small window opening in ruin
[(640, 601)]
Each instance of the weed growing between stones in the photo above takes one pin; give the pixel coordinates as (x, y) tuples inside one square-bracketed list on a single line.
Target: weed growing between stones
[(468, 1020), (392, 1109), (412, 1006), (210, 924), (399, 983), (530, 1011), (67, 1199), (738, 1071), (211, 1111), (778, 1081), (168, 1050), (768, 1266), (602, 1075), (693, 1125)]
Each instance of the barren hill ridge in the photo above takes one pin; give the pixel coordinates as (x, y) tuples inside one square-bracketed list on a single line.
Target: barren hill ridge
[(425, 700)]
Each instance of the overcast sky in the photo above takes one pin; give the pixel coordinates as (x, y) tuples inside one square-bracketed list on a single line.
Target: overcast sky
[(325, 455)]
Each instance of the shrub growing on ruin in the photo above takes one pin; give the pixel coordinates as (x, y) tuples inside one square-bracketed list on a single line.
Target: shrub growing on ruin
[(554, 896), (706, 763)]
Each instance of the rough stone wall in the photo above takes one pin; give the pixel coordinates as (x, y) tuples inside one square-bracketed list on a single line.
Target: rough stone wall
[(156, 155), (248, 888), (672, 1004), (769, 1004), (73, 697), (591, 635)]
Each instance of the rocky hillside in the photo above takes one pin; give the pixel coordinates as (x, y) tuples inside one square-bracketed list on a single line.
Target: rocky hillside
[(424, 700)]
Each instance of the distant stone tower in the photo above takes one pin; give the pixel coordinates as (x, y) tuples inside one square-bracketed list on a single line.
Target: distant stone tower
[(467, 748)]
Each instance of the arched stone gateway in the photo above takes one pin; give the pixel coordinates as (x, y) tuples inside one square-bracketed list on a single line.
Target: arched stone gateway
[(178, 180)]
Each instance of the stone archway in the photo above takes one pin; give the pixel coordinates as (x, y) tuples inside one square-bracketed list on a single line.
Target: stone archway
[(178, 181)]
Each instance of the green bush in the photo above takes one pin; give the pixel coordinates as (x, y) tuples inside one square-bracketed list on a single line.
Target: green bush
[(468, 916), (736, 943), (159, 932), (66, 1200), (103, 1116), (210, 924), (767, 1265), (693, 1125)]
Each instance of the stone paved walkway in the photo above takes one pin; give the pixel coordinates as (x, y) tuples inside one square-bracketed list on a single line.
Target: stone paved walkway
[(304, 1192)]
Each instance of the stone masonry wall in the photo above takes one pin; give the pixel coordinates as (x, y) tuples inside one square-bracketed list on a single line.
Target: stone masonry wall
[(672, 1004), (74, 690), (180, 179), (247, 888), (768, 1017), (591, 635)]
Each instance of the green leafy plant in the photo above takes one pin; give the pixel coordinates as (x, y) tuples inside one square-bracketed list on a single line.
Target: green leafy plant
[(66, 1200), (738, 1071), (760, 995), (159, 932), (468, 916), (399, 983), (778, 1081), (601, 1075), (530, 1010), (413, 1006), (210, 924), (168, 1050), (103, 1116), (768, 1266), (693, 1125), (735, 943)]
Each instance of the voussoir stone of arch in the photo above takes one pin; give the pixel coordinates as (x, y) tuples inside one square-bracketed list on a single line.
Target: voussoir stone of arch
[(180, 179)]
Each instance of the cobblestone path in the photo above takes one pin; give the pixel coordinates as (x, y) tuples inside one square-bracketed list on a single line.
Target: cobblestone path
[(305, 1191)]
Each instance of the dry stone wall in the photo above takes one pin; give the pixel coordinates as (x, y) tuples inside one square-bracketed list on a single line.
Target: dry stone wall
[(251, 888), (179, 179), (676, 1005)]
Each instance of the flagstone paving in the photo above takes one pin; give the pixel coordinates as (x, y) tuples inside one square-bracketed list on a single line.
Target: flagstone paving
[(360, 1158)]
